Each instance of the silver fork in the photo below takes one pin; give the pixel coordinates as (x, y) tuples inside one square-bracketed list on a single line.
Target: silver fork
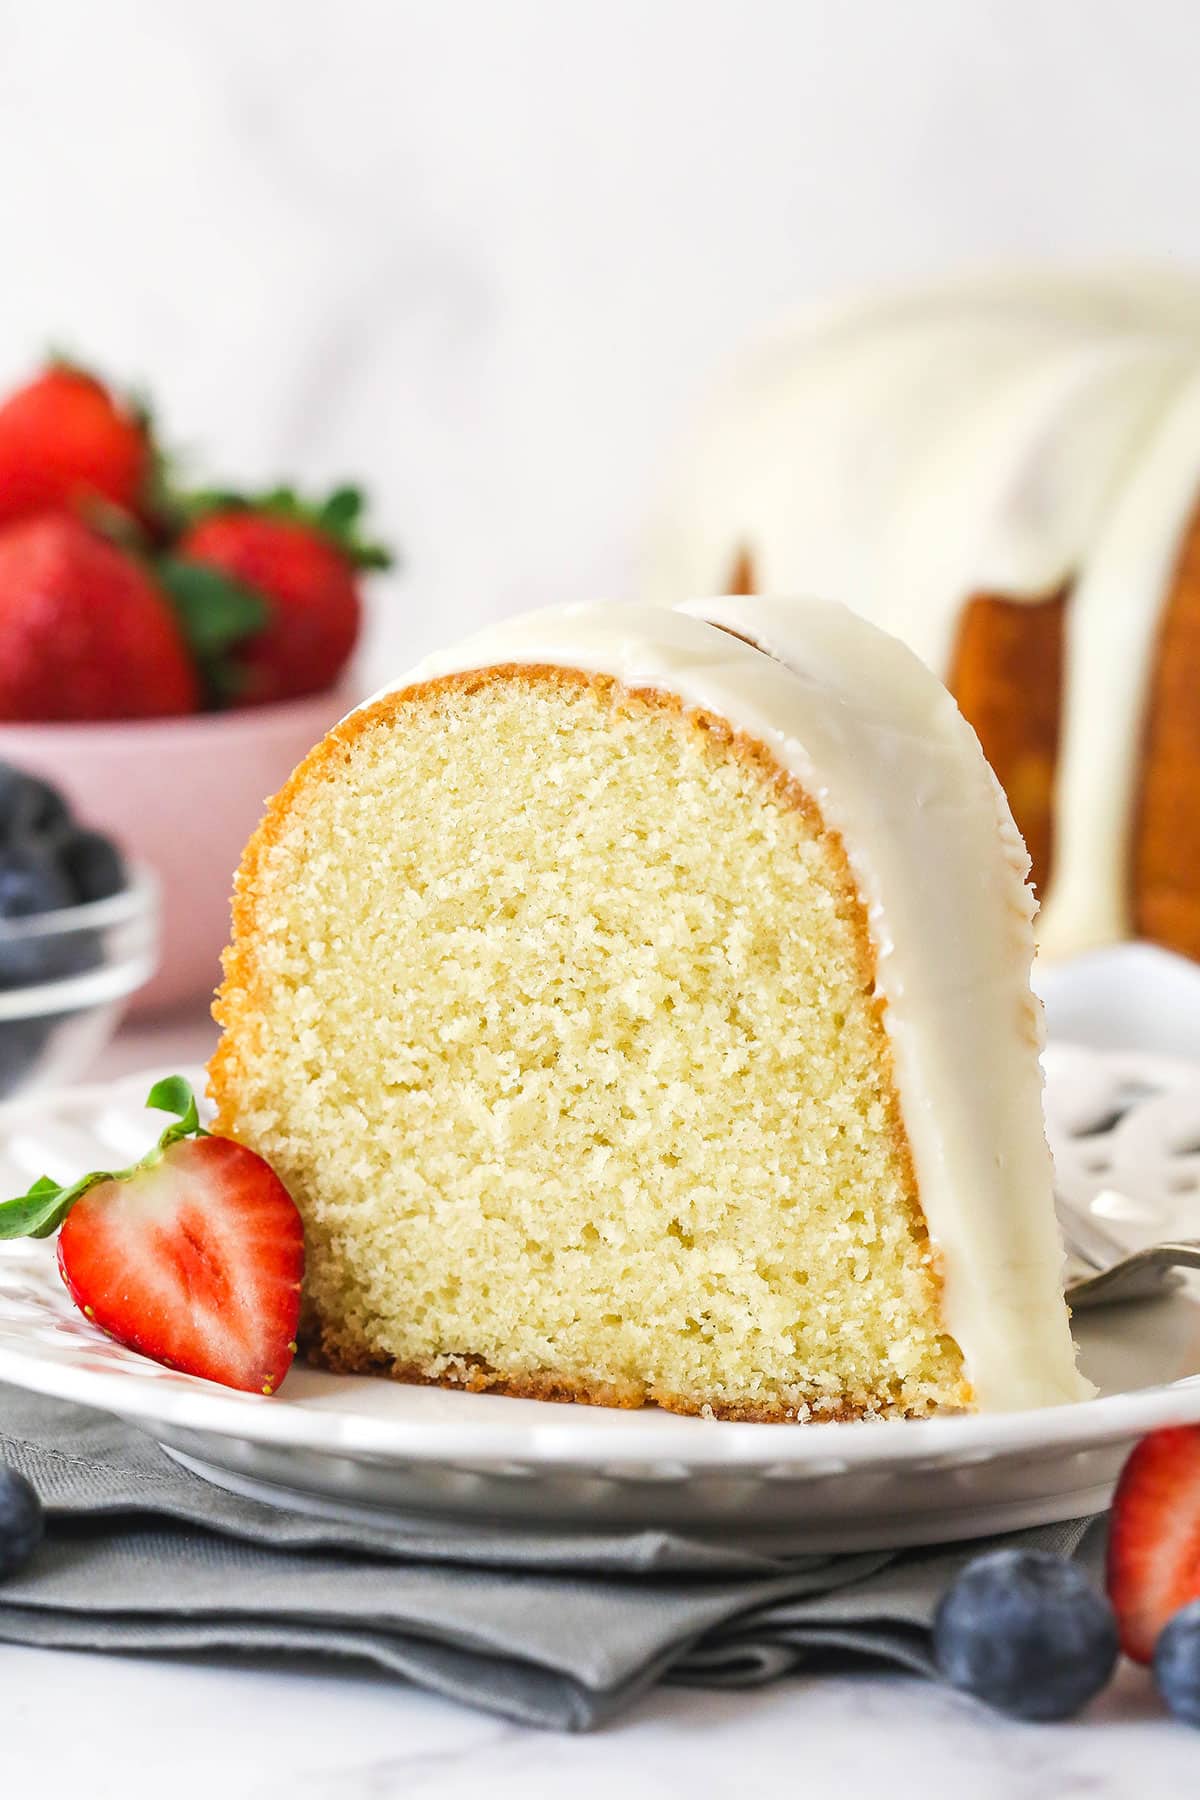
[(1112, 1273)]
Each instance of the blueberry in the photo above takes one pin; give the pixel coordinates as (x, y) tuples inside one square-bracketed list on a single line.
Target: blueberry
[(1026, 1632), (31, 882), (29, 807), (21, 1521), (92, 864), (1177, 1663)]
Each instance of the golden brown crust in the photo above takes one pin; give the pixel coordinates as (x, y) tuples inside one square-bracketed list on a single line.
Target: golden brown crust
[(477, 1377), (1165, 850), (742, 578), (1006, 674), (239, 1000)]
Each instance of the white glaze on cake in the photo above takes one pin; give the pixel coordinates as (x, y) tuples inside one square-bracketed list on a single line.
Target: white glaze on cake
[(1112, 630), (1009, 434), (884, 752)]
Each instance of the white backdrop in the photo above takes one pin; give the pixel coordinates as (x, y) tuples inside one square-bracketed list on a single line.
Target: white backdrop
[(488, 252)]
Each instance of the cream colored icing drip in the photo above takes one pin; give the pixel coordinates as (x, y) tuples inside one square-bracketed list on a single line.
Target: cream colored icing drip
[(1009, 501), (1005, 434), (1112, 630), (879, 745)]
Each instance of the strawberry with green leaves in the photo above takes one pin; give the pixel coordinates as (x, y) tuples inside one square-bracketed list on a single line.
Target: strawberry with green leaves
[(301, 562), (265, 591), (194, 1256)]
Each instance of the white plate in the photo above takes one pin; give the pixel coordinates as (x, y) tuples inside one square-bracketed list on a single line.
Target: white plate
[(1126, 997), (346, 1443)]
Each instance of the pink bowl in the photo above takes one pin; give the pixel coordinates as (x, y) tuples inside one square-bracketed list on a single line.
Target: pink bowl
[(182, 795)]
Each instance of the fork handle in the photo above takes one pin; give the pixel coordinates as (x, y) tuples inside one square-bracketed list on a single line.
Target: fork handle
[(1128, 1279)]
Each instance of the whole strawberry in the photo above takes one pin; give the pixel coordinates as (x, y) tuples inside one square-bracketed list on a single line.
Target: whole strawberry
[(66, 444), (84, 631), (304, 563)]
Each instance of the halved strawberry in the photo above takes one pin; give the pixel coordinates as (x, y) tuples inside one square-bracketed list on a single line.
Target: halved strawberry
[(1154, 1537), (194, 1256), (195, 1262)]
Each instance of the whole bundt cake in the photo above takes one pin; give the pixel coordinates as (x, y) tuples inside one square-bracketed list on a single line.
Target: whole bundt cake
[(637, 1005), (1004, 472)]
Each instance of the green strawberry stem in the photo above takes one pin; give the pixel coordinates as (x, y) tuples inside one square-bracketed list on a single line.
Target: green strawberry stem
[(42, 1210), (339, 517), (216, 613)]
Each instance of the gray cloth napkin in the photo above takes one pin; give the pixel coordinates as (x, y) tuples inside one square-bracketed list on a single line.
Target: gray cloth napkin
[(562, 1631)]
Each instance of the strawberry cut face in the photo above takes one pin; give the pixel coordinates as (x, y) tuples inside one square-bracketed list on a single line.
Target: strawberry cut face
[(194, 1259)]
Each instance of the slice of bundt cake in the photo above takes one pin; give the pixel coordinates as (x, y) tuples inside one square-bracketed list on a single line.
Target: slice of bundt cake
[(638, 1009)]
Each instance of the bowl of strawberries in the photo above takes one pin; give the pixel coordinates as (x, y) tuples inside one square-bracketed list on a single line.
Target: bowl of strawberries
[(167, 654)]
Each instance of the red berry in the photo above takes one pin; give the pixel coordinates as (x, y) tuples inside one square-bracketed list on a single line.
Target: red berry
[(64, 441), (1154, 1537), (195, 1259), (84, 631), (310, 586)]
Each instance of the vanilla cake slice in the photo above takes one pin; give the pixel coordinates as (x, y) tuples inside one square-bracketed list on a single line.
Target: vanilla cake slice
[(636, 1003)]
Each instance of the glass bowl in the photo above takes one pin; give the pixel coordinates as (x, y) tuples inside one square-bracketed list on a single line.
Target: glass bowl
[(65, 978)]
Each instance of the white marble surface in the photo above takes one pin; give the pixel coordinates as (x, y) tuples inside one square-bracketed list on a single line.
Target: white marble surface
[(191, 1727), (191, 1730)]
